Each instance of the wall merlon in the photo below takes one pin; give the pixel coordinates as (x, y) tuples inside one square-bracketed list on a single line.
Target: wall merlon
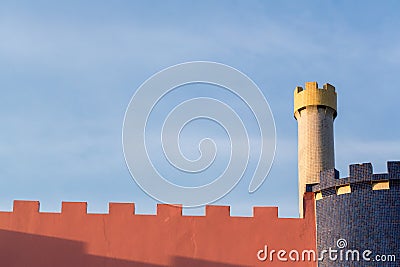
[(265, 212), (26, 206), (329, 87), (393, 170), (74, 207), (218, 211), (166, 210), (121, 208), (360, 172), (311, 85)]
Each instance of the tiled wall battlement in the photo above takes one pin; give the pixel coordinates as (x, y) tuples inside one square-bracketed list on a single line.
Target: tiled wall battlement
[(363, 209), (358, 174)]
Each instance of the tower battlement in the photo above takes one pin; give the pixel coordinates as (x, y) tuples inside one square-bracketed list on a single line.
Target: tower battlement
[(314, 96), (362, 209), (359, 175)]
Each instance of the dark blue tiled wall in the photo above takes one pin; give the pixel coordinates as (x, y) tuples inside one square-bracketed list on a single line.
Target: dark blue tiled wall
[(367, 219)]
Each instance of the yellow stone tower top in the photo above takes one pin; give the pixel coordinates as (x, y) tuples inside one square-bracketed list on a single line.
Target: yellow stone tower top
[(313, 96)]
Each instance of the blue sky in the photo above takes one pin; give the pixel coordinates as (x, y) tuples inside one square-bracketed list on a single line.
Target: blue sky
[(69, 69)]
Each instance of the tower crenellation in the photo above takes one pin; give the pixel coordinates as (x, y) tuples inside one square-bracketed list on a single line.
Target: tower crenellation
[(362, 209), (358, 174), (314, 96)]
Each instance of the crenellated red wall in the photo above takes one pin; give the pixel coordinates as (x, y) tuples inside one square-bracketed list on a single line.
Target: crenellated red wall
[(121, 238)]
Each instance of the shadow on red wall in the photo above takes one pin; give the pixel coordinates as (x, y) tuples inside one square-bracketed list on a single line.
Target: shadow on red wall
[(21, 249)]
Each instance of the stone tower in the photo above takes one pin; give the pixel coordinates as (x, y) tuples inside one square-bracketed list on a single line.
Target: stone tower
[(315, 110)]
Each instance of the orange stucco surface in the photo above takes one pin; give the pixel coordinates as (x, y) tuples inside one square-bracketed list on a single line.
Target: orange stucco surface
[(121, 238)]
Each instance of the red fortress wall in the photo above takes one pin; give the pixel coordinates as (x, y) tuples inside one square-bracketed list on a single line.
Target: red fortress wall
[(121, 238)]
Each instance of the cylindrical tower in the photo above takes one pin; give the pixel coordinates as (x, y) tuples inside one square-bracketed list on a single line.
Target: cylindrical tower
[(358, 216), (315, 110)]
